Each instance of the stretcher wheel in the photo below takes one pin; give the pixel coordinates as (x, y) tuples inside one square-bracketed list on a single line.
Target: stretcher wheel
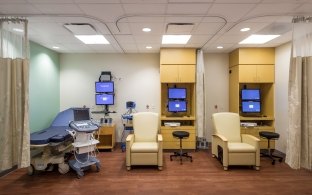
[(63, 168), (98, 168), (31, 170), (80, 174)]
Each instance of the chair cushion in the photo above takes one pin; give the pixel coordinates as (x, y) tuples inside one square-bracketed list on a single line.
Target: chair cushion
[(240, 147), (141, 147)]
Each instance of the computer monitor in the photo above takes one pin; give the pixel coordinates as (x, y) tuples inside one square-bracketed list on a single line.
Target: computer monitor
[(104, 99), (177, 106), (81, 114), (250, 94), (177, 93), (104, 87), (251, 107)]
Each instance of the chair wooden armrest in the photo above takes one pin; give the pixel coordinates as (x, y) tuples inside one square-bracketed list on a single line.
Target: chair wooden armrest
[(159, 138), (252, 140)]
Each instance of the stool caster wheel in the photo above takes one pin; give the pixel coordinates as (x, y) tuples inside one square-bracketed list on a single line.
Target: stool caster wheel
[(280, 160), (273, 162)]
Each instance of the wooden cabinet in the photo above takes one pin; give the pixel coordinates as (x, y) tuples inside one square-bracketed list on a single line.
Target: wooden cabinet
[(256, 73), (187, 124), (178, 70), (177, 73), (253, 68), (178, 56), (106, 136), (264, 124), (252, 56)]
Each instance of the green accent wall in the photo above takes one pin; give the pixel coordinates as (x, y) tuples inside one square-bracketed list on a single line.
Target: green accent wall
[(44, 86)]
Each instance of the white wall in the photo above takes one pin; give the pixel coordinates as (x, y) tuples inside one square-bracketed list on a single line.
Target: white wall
[(136, 79), (282, 61), (216, 87)]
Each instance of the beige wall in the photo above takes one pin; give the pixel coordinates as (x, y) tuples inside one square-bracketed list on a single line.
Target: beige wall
[(282, 60), (216, 87), (136, 78)]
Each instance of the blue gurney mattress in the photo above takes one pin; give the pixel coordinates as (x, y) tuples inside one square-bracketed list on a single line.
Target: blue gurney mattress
[(57, 131), (53, 134)]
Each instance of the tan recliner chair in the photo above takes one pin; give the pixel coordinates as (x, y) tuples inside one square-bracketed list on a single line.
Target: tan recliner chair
[(144, 146), (234, 148)]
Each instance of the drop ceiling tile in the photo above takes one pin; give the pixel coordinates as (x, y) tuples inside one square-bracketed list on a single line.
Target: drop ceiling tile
[(254, 27), (285, 1), (143, 1), (58, 8), (145, 18), (18, 9), (96, 1), (237, 1), (101, 28), (50, 1), (231, 12), (147, 39), (127, 46), (207, 28), (149, 9), (272, 9), (230, 39), (183, 19), (213, 19), (184, 9), (119, 28), (125, 39), (305, 9), (190, 1), (105, 12), (156, 28), (12, 1), (195, 39), (47, 28)]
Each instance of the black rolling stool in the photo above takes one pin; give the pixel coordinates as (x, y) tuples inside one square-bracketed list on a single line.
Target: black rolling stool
[(268, 153), (181, 135)]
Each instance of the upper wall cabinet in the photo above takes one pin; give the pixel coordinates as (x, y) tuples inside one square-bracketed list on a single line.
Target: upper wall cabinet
[(252, 56), (177, 73), (256, 73), (177, 56), (177, 65)]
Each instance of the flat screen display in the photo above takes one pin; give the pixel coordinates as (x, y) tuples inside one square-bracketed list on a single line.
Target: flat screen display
[(177, 106), (104, 99), (251, 94), (81, 114), (251, 107), (104, 87), (177, 93)]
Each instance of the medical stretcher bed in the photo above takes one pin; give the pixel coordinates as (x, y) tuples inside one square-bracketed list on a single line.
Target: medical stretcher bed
[(49, 146)]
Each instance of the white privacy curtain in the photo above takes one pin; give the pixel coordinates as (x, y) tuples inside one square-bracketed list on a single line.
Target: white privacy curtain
[(200, 94), (299, 140), (14, 76)]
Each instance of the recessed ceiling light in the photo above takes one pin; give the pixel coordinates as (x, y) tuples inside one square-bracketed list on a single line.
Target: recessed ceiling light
[(175, 39), (146, 29), (258, 39), (56, 47), (220, 47), (148, 47), (92, 39), (244, 29)]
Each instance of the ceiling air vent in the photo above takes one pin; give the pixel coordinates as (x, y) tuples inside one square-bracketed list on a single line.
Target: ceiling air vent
[(179, 28), (81, 28)]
